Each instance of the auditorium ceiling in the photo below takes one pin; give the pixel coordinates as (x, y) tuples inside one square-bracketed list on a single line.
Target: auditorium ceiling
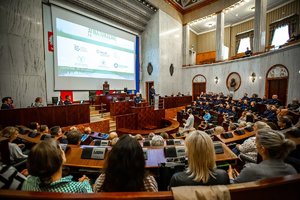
[(135, 14)]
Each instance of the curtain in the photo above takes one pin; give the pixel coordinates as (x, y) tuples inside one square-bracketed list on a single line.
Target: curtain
[(292, 23), (238, 38)]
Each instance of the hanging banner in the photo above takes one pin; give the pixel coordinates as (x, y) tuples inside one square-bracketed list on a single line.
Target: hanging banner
[(50, 41)]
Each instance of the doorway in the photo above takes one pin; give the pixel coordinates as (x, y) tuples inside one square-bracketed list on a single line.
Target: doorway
[(277, 83), (199, 85), (149, 84)]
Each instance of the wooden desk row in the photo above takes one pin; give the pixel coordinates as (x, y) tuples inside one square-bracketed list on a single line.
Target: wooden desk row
[(236, 137), (49, 115), (155, 157)]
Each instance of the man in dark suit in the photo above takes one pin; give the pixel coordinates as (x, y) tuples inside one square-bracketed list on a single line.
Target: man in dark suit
[(7, 103), (68, 100), (152, 94)]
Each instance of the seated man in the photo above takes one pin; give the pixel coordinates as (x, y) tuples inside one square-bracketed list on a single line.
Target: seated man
[(7, 103), (68, 100), (38, 102)]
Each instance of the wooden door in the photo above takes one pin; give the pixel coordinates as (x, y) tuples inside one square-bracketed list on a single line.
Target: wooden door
[(198, 88), (279, 87)]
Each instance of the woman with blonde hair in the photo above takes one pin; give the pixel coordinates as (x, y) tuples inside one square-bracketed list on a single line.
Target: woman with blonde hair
[(201, 163), (274, 148)]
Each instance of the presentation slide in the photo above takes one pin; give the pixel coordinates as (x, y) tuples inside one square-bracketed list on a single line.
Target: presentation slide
[(87, 53)]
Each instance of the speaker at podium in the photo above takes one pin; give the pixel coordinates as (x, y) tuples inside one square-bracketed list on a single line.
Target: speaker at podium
[(105, 88)]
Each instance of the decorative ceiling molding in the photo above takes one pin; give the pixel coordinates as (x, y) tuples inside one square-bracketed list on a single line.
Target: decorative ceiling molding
[(134, 14), (186, 6)]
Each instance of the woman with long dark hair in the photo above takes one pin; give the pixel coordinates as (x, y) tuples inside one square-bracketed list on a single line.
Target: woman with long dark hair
[(125, 169)]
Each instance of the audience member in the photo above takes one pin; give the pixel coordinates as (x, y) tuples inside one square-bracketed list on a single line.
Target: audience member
[(202, 165), (56, 131), (273, 147), (138, 137), (294, 105), (189, 123), (34, 126), (150, 136), (112, 135), (157, 140), (164, 135), (284, 123), (15, 151), (45, 163), (74, 137), (124, 169), (44, 129)]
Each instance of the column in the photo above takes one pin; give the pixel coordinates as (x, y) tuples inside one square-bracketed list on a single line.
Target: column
[(259, 41), (220, 37), (186, 45)]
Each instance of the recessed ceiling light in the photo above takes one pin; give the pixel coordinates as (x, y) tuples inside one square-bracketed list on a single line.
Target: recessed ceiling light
[(236, 14)]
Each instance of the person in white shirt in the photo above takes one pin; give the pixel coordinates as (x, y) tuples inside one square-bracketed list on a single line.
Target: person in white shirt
[(189, 123)]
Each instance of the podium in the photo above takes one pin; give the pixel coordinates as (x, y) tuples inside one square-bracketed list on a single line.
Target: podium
[(156, 102)]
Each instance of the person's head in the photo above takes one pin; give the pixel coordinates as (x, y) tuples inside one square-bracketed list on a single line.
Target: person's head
[(112, 135), (73, 128), (245, 94), (5, 100), (44, 129), (34, 126), (138, 94), (201, 155), (273, 144), (138, 137), (44, 160), (74, 137), (124, 166), (68, 97), (250, 117), (164, 135), (274, 96), (87, 130), (150, 136), (189, 111), (284, 122), (247, 48), (260, 125), (38, 100), (242, 124), (157, 140), (10, 132), (218, 130), (55, 131), (231, 127), (253, 103)]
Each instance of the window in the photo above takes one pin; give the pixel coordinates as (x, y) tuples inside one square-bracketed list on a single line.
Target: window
[(244, 43), (281, 35)]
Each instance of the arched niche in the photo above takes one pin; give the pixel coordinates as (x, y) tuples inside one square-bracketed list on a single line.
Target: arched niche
[(198, 85), (277, 79)]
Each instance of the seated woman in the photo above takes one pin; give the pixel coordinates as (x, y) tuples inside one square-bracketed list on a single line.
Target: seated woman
[(125, 169), (273, 147), (202, 164), (45, 167), (16, 153)]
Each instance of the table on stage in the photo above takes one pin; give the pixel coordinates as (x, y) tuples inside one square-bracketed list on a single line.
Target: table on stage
[(107, 99), (49, 115), (155, 157)]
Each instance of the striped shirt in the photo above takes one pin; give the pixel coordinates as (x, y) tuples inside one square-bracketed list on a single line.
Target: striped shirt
[(150, 183), (64, 184), (10, 178)]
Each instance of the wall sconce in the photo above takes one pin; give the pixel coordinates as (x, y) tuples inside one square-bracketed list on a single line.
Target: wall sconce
[(216, 80), (253, 77)]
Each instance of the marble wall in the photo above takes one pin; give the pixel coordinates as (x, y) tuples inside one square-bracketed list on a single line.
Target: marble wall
[(162, 46), (22, 71), (260, 64)]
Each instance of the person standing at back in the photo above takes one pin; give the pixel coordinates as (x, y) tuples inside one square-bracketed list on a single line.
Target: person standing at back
[(151, 95)]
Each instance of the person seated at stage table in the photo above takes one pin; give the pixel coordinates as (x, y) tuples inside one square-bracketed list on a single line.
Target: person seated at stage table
[(201, 168), (38, 102), (7, 103), (67, 100), (274, 148), (15, 151), (124, 169), (138, 98), (74, 137), (45, 167)]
